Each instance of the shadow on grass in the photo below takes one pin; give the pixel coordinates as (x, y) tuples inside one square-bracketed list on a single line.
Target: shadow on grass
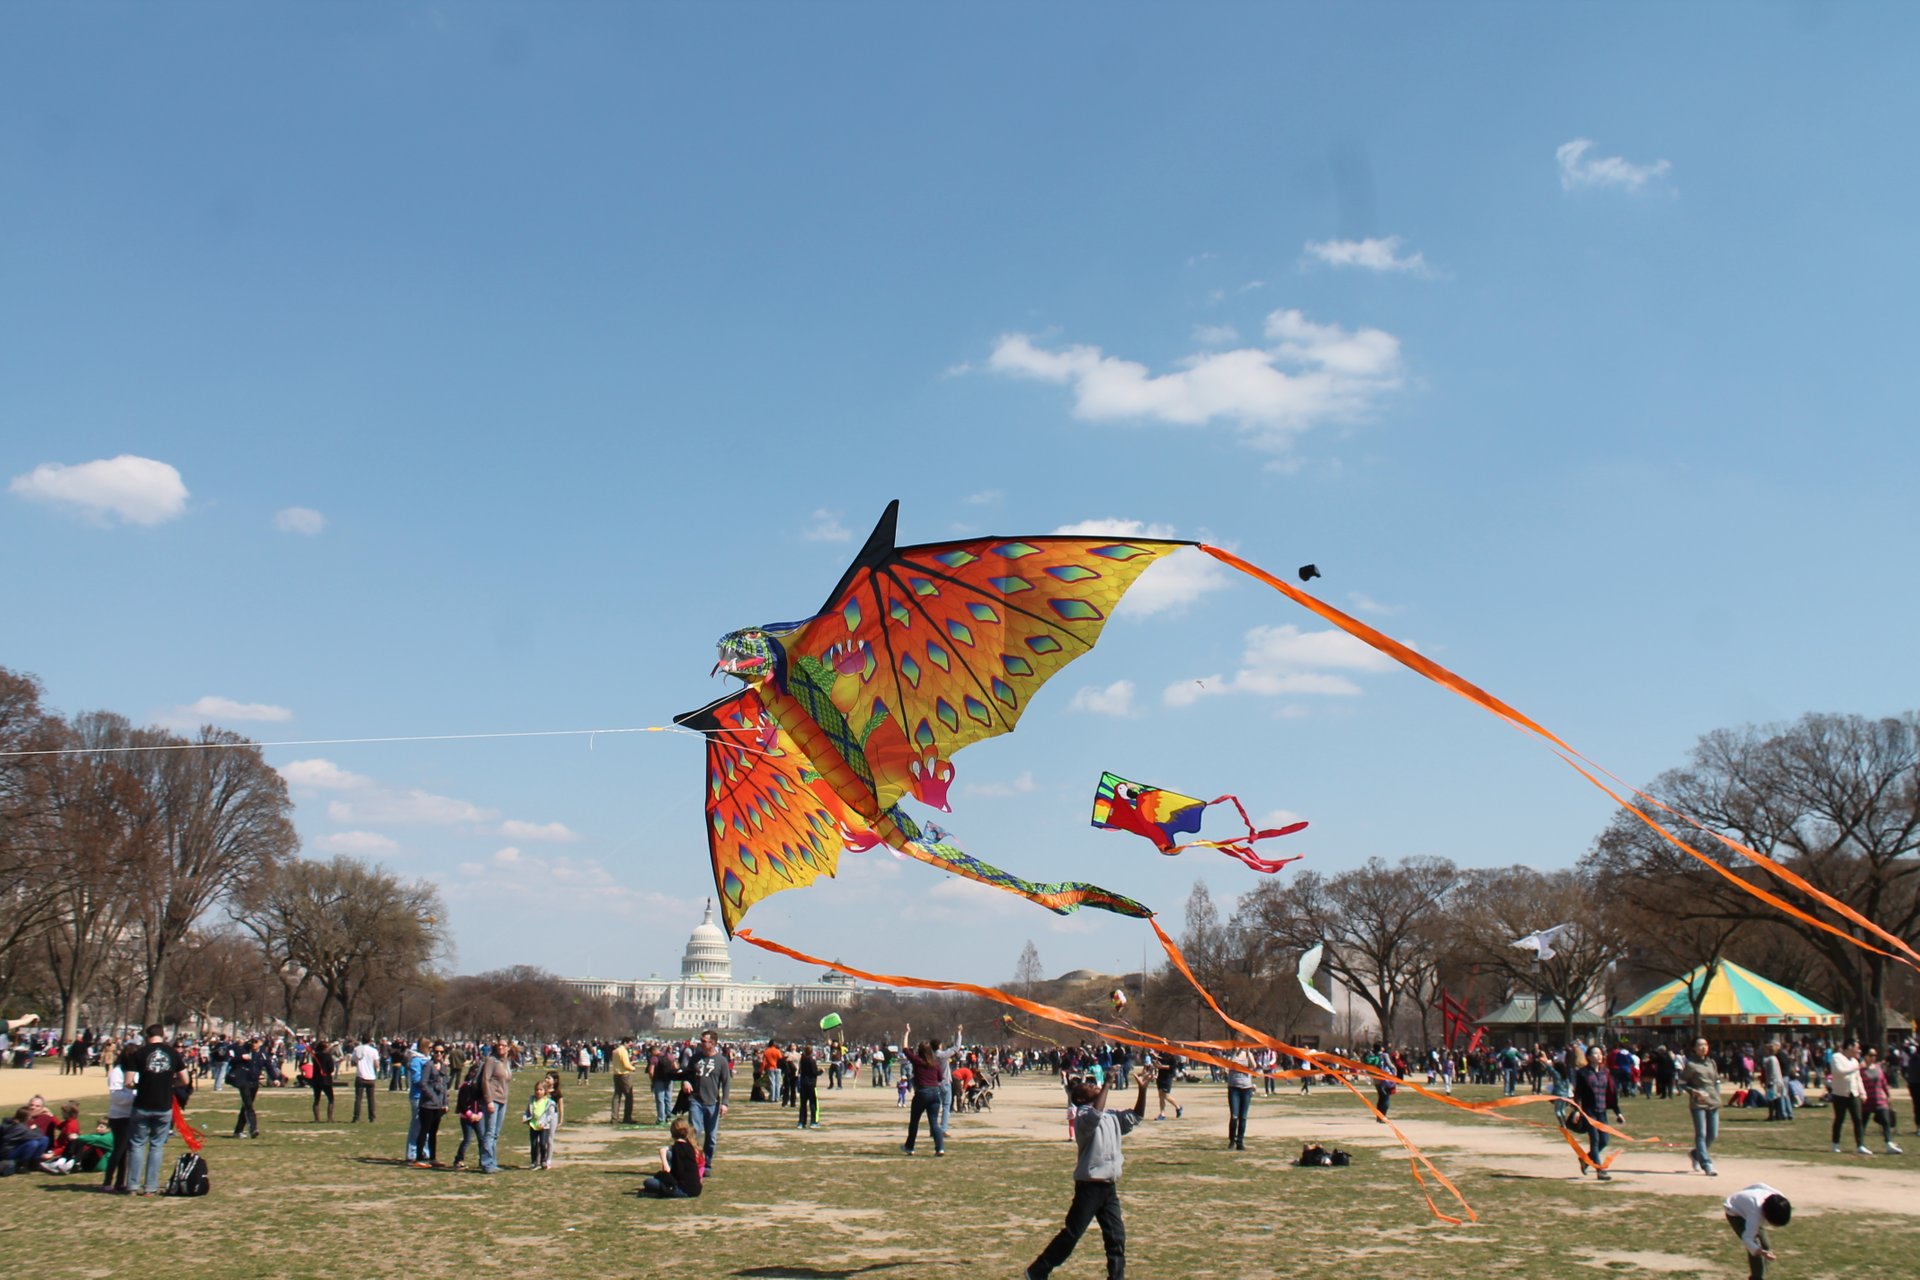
[(815, 1273)]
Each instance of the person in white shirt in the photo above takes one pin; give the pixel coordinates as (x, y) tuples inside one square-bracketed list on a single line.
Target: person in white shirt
[(119, 1120), (366, 1073), (1750, 1211), (1843, 1095)]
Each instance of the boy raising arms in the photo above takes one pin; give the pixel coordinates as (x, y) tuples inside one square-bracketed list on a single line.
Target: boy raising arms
[(1097, 1131)]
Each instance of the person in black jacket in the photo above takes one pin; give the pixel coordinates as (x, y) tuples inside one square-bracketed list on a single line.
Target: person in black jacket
[(679, 1176), (243, 1073)]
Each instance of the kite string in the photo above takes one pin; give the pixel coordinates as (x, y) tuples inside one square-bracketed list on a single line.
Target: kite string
[(589, 734)]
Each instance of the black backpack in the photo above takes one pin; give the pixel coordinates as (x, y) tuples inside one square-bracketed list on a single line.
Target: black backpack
[(189, 1176)]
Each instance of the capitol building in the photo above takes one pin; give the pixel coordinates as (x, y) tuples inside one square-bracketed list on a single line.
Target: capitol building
[(706, 993)]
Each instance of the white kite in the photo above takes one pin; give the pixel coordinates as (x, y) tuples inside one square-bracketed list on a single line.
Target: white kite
[(1540, 942), (1310, 965)]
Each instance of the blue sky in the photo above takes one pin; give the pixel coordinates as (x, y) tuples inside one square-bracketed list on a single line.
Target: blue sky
[(471, 369)]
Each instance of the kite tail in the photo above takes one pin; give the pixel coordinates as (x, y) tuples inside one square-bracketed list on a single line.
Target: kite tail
[(1243, 848), (1575, 760), (1061, 898), (188, 1134)]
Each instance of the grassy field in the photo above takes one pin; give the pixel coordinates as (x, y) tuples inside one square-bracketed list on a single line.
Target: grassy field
[(841, 1201)]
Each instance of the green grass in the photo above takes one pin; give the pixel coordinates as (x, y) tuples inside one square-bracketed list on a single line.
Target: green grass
[(313, 1200)]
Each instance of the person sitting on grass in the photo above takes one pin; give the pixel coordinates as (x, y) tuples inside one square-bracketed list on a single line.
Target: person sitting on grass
[(1750, 1212), (1096, 1176), (680, 1167)]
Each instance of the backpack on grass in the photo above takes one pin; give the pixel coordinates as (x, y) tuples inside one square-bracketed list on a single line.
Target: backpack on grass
[(189, 1176)]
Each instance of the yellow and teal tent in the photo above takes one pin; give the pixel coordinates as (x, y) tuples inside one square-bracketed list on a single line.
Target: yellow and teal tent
[(1735, 997)]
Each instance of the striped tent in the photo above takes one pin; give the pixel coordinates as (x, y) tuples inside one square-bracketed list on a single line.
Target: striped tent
[(1735, 997)]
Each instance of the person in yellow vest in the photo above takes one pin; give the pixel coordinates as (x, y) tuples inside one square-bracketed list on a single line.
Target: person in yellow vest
[(623, 1082)]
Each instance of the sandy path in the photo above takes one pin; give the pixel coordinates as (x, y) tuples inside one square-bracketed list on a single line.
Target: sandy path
[(17, 1086), (1033, 1106)]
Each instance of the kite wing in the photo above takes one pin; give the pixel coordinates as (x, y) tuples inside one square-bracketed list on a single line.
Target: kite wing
[(1309, 966), (770, 826), (920, 651), (1541, 942), (773, 823)]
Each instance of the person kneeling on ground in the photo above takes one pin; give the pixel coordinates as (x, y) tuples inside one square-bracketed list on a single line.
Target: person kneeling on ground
[(679, 1176), (1750, 1212), (1096, 1174)]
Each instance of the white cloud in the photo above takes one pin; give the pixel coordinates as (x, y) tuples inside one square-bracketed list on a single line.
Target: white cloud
[(357, 843), (1285, 660), (550, 832), (1377, 254), (1020, 786), (1577, 170), (322, 775), (567, 888), (215, 709), (1115, 699), (1364, 603), (299, 520), (134, 489), (986, 498), (407, 808), (826, 527), (1171, 583), (1214, 335), (1307, 374)]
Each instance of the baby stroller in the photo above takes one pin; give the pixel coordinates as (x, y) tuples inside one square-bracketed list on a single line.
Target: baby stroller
[(979, 1098)]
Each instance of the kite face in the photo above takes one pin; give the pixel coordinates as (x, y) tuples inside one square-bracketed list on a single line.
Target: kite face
[(748, 654), (1154, 812)]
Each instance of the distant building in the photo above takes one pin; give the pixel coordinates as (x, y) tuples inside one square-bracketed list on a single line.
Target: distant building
[(706, 994)]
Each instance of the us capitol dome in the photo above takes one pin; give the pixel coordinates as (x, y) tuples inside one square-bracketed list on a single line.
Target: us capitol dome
[(706, 994)]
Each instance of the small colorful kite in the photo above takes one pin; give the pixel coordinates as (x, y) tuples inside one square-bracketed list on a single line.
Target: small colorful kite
[(1161, 815), (829, 1022), (1118, 1000), (1309, 967)]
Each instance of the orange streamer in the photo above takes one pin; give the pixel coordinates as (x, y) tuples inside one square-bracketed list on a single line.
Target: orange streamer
[(1473, 693)]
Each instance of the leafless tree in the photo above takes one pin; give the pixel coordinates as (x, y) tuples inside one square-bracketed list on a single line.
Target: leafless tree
[(98, 834), (29, 890), (1378, 921), (1835, 799), (351, 926), (222, 823), (1027, 973), (1494, 908)]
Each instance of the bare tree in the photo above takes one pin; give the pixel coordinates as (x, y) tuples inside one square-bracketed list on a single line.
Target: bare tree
[(1378, 922), (98, 833), (1494, 908), (29, 890), (1835, 799), (221, 824), (353, 927), (1027, 973)]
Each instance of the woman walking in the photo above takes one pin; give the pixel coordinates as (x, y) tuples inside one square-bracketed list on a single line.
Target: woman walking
[(1701, 1079), (1876, 1097)]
